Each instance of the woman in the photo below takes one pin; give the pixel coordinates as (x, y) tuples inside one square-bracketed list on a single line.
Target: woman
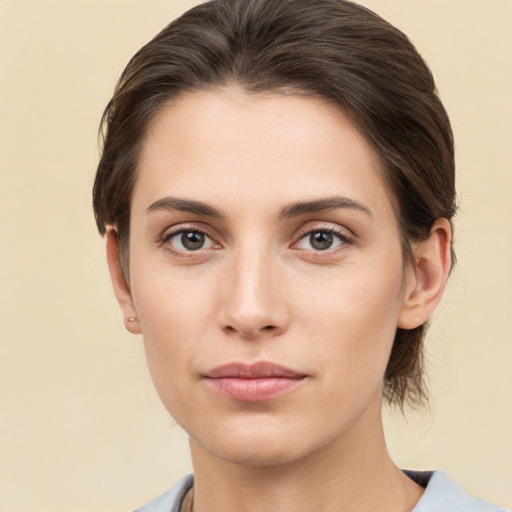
[(277, 189)]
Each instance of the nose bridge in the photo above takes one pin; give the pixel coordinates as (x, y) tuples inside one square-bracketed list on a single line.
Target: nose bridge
[(253, 301)]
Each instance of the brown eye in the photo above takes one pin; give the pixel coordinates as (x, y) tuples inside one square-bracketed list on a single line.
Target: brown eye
[(189, 240), (192, 240), (321, 240)]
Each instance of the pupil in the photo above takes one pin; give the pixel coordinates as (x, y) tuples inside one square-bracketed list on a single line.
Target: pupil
[(192, 240), (321, 240)]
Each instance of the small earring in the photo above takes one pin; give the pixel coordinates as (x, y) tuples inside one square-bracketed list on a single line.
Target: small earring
[(131, 319)]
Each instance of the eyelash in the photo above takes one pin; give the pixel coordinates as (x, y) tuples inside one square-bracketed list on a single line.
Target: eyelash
[(343, 239), (168, 236)]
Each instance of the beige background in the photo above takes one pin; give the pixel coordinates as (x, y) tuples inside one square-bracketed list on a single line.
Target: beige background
[(81, 428)]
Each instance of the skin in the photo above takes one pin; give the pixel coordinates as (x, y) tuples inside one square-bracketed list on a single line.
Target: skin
[(260, 289)]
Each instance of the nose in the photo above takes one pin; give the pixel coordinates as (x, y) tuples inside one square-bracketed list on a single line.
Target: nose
[(254, 301)]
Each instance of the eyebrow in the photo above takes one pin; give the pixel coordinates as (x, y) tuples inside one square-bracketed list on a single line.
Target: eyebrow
[(185, 205), (292, 210), (322, 205)]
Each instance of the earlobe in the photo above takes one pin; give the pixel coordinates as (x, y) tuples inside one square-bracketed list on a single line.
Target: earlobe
[(426, 279), (119, 283)]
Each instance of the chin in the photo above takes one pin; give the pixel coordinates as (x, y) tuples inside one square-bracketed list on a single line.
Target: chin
[(258, 443), (255, 453)]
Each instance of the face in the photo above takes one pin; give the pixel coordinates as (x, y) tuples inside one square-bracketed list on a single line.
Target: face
[(266, 273)]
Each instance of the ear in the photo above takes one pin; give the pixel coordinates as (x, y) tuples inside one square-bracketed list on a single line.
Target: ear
[(426, 277), (121, 287)]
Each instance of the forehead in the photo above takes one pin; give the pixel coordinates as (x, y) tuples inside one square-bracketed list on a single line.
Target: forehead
[(227, 146)]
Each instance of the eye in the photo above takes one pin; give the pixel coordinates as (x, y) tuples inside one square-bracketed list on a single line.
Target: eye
[(188, 240), (321, 240)]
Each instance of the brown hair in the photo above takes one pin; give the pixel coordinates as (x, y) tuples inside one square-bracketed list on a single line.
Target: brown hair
[(334, 49)]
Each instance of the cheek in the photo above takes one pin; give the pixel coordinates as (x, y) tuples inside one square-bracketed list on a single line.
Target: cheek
[(170, 300), (176, 314), (351, 321)]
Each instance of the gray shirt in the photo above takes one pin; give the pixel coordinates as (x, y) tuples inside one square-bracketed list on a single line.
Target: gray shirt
[(441, 494)]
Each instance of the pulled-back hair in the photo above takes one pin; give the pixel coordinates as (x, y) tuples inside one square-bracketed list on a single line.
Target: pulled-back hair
[(333, 49)]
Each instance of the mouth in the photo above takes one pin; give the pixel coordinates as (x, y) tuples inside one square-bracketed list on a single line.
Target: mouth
[(253, 382)]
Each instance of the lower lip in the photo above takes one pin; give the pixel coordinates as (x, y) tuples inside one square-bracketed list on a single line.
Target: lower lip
[(254, 390)]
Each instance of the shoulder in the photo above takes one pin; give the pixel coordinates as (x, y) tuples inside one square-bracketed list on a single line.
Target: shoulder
[(171, 500), (442, 494)]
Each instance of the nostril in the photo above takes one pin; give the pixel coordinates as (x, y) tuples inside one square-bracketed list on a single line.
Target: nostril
[(266, 328)]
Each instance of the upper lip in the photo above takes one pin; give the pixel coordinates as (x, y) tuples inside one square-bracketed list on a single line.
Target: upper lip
[(257, 370)]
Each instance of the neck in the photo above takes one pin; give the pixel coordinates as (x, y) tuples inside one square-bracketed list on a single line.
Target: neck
[(353, 472)]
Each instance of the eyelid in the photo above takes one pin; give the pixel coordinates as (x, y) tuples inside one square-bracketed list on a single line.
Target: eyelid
[(173, 231), (345, 236)]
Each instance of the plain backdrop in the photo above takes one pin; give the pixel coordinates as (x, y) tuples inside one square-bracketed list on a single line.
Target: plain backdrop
[(81, 428)]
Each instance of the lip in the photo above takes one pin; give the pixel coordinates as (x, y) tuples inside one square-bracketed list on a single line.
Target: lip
[(253, 382)]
